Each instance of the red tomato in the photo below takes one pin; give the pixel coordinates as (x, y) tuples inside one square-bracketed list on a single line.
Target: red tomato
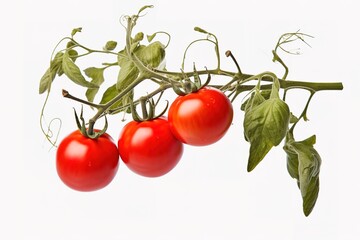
[(149, 148), (86, 164), (201, 118)]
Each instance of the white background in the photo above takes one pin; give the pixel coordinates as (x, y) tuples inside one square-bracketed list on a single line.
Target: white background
[(209, 195)]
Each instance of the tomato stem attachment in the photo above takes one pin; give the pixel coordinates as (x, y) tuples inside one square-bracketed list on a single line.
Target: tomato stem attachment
[(148, 113), (186, 85), (90, 133)]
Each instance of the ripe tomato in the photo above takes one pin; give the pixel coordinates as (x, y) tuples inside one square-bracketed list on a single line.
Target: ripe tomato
[(86, 164), (200, 118), (149, 148)]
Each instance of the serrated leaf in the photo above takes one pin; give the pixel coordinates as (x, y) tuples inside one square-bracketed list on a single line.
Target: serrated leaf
[(110, 45), (304, 165), (73, 72), (265, 125), (97, 76), (49, 76)]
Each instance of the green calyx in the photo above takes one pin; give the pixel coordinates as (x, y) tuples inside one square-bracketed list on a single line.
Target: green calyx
[(268, 119), (148, 110), (88, 132), (186, 85)]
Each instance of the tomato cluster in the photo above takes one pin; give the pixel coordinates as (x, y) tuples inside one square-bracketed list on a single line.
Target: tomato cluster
[(149, 148)]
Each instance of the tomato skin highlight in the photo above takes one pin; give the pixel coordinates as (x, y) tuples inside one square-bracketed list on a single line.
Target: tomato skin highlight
[(149, 148), (85, 164), (201, 118)]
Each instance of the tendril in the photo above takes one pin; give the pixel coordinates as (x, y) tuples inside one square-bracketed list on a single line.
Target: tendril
[(47, 128), (289, 38)]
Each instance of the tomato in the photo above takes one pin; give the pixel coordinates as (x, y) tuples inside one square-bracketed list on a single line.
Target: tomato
[(200, 118), (149, 148), (86, 164)]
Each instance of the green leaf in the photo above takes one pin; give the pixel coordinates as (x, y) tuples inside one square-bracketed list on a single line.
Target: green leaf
[(275, 88), (127, 74), (70, 44), (145, 7), (151, 37), (122, 55), (112, 92), (49, 76), (122, 58), (73, 54), (293, 165), (46, 80), (75, 30), (138, 37), (73, 72), (293, 118), (110, 45), (58, 62), (310, 198), (152, 55), (109, 94), (97, 76), (265, 125), (264, 93), (304, 163), (128, 71)]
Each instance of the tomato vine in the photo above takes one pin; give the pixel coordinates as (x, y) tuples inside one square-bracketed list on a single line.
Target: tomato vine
[(268, 120)]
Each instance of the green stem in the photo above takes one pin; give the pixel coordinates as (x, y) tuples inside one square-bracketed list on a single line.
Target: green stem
[(105, 107), (179, 75), (160, 89), (311, 86), (145, 71), (288, 84), (66, 94), (229, 54), (165, 76), (193, 42), (77, 44), (143, 107), (303, 114)]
